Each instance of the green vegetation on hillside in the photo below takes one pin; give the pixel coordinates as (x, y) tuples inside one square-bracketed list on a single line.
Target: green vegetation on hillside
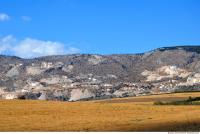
[(186, 48), (188, 88), (189, 101)]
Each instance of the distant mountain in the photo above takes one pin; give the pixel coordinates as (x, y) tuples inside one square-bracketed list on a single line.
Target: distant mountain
[(86, 76)]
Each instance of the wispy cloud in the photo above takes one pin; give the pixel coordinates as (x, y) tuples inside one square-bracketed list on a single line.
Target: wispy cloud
[(4, 17), (26, 18), (29, 48)]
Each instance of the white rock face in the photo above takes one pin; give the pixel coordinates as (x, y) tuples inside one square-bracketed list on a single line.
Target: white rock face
[(51, 80), (128, 89), (123, 93), (1, 90), (96, 59), (194, 79), (24, 91), (9, 96), (191, 80), (56, 80), (34, 70), (13, 72), (107, 85), (112, 76), (68, 68), (78, 94), (165, 72), (46, 65), (119, 93), (43, 96), (32, 83), (173, 71)]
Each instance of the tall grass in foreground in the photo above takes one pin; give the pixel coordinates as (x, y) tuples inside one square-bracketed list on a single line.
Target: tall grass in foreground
[(122, 114)]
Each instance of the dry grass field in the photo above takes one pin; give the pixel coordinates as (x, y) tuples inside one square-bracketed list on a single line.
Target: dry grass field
[(127, 114)]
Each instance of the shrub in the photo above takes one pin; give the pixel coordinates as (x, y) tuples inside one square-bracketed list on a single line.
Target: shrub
[(189, 101)]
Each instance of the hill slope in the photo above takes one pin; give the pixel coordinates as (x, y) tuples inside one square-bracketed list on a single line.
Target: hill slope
[(85, 76)]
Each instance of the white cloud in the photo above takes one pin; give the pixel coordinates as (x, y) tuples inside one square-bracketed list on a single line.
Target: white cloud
[(72, 50), (5, 43), (4, 17), (26, 18), (29, 48)]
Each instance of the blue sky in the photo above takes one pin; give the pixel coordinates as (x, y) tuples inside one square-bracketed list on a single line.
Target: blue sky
[(96, 26)]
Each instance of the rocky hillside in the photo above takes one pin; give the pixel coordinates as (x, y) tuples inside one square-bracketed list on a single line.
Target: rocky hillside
[(85, 76)]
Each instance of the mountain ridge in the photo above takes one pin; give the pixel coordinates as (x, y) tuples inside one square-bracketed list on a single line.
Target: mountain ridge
[(183, 47), (92, 76)]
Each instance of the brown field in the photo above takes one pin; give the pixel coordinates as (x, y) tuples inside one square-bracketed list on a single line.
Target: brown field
[(128, 114)]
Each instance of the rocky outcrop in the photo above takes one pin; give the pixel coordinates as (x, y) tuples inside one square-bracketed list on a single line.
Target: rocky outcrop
[(34, 70), (85, 76), (165, 72), (79, 94), (95, 59), (14, 71)]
